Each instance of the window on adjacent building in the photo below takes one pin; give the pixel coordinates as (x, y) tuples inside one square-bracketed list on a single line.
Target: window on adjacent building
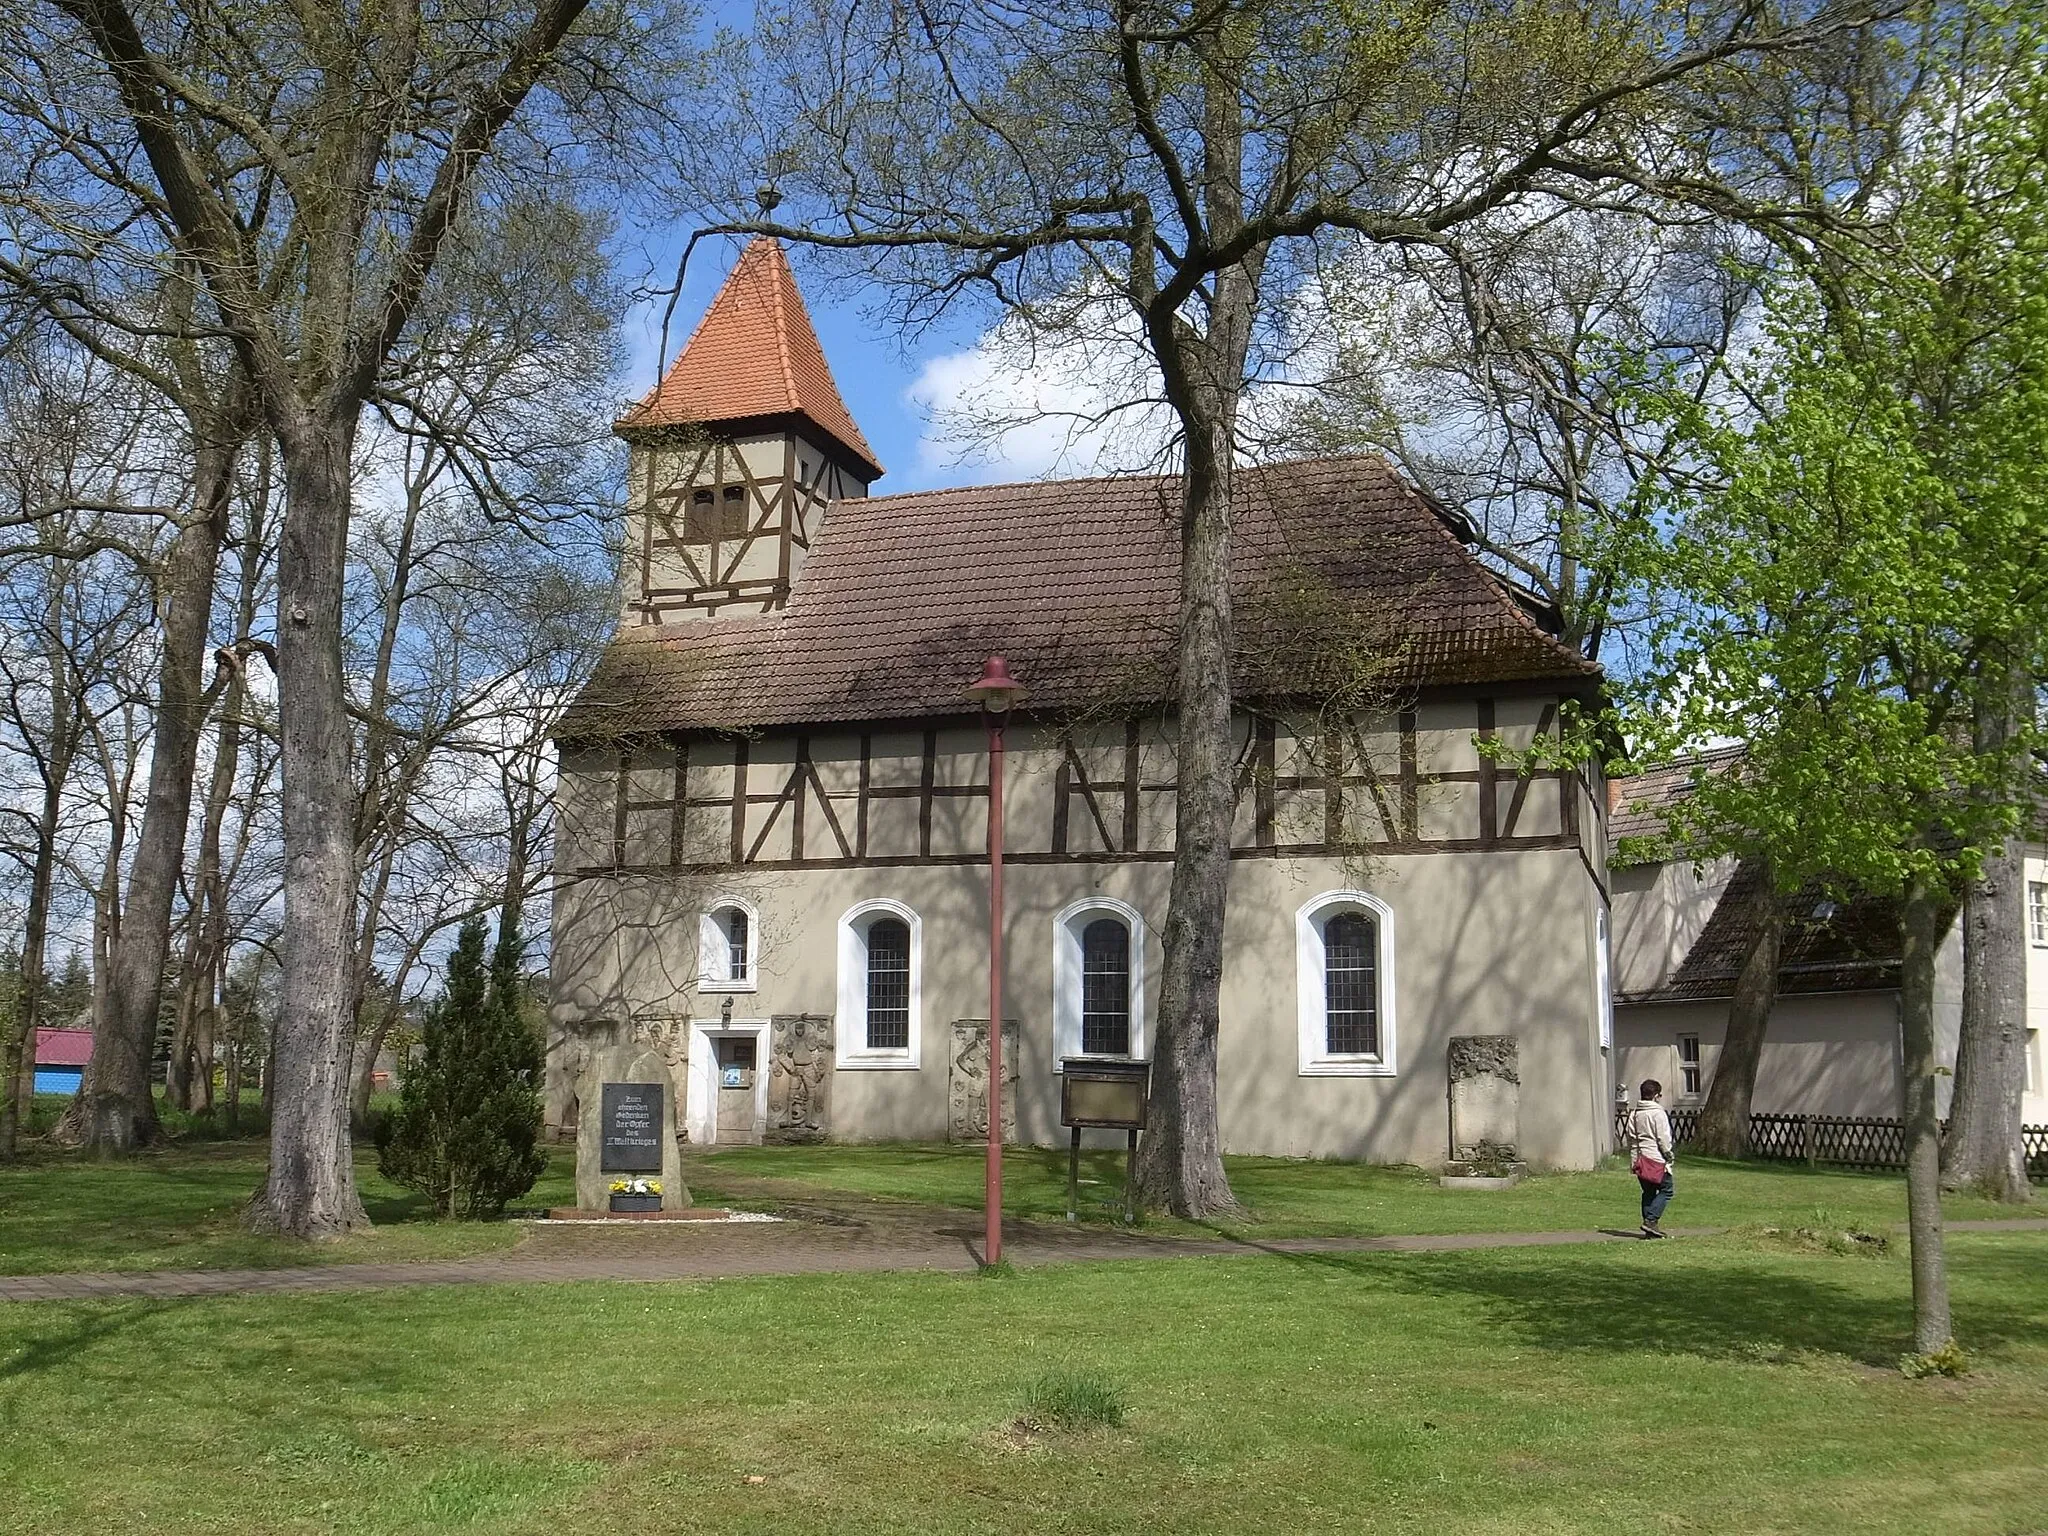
[(888, 1014), (1689, 1066), (1603, 977), (2037, 911), (879, 985), (1098, 965), (1345, 985), (727, 935), (1106, 988)]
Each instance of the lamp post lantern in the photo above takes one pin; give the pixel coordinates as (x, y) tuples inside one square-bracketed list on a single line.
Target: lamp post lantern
[(996, 691)]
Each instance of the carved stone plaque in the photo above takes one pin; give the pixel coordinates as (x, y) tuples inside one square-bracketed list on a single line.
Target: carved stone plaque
[(1486, 1094), (967, 1082), (632, 1119), (800, 1077)]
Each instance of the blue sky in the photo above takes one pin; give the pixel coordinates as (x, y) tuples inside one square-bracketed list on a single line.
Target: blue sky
[(900, 389)]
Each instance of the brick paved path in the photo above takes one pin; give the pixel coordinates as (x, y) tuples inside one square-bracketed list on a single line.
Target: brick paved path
[(820, 1240)]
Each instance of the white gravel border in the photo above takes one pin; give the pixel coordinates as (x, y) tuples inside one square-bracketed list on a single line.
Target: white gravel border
[(728, 1219)]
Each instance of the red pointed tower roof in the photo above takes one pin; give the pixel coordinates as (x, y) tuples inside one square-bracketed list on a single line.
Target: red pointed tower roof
[(753, 355)]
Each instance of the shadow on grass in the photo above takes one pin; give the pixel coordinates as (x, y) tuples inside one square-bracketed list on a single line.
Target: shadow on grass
[(60, 1349), (1737, 1308)]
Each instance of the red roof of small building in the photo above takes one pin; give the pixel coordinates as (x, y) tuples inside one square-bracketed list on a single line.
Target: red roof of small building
[(754, 355), (63, 1047)]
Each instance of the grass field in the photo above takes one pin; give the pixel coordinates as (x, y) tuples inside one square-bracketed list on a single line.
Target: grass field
[(1736, 1384), (1293, 1198), (1732, 1385), (180, 1208)]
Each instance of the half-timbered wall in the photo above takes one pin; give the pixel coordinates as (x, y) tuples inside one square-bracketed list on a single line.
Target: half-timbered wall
[(1492, 881), (1411, 782), (723, 525)]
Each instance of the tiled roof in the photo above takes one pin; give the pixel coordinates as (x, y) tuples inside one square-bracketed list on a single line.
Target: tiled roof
[(1641, 803), (1076, 582), (63, 1047), (1830, 945), (754, 354)]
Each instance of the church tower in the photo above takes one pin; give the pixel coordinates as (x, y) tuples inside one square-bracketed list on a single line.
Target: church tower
[(735, 455)]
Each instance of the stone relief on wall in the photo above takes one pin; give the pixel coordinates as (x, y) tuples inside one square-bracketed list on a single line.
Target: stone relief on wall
[(967, 1081), (1486, 1096), (799, 1077)]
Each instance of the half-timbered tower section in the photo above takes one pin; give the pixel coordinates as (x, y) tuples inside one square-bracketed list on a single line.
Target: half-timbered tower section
[(772, 836), (734, 457)]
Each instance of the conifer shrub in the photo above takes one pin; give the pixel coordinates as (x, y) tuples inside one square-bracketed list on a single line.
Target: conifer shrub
[(466, 1132)]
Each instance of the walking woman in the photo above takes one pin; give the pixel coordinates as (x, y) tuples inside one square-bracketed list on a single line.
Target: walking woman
[(1649, 1134)]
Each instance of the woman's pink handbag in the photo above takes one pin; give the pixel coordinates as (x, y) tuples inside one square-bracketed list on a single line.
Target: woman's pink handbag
[(1648, 1169)]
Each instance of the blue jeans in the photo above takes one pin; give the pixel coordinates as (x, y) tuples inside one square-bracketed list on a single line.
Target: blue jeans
[(1655, 1198)]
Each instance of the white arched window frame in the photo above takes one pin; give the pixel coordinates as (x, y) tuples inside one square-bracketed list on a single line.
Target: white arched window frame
[(1067, 929), (729, 946), (1315, 1057), (853, 1052)]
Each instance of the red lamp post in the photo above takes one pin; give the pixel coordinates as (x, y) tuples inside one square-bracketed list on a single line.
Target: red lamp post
[(996, 691)]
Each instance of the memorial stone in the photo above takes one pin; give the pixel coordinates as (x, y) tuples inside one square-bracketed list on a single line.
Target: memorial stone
[(627, 1126)]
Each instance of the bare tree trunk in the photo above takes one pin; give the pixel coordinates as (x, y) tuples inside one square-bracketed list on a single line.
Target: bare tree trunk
[(1724, 1122), (1983, 1150), (311, 1189), (1921, 924), (1180, 1165), (121, 1113), (55, 770), (235, 1039), (178, 1065), (35, 946)]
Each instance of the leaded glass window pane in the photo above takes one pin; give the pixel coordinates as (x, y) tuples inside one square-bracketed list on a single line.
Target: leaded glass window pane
[(888, 984), (1351, 985), (1105, 988)]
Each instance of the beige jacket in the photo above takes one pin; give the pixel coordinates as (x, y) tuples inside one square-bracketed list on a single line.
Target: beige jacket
[(1649, 1134)]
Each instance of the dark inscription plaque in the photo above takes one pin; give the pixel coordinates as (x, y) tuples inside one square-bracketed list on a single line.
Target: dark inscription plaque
[(631, 1128)]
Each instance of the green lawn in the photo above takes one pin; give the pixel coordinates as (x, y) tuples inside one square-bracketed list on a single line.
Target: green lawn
[(180, 1208), (1298, 1198), (1722, 1385)]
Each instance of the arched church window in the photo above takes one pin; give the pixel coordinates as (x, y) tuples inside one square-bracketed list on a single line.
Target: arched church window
[(879, 960), (1344, 950)]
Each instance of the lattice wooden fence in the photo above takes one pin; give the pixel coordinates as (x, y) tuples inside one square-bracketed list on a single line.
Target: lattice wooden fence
[(1847, 1141)]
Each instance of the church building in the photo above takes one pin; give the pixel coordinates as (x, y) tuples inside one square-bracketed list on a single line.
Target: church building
[(773, 794)]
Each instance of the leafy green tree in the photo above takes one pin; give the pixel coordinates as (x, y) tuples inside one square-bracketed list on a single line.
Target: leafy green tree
[(468, 1124), (1864, 579)]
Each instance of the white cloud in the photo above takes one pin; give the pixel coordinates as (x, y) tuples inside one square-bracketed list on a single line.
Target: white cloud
[(1015, 406)]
